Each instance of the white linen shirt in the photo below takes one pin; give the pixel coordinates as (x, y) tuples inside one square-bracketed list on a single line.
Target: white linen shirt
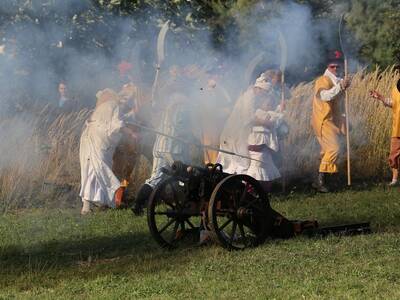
[(99, 139), (328, 95)]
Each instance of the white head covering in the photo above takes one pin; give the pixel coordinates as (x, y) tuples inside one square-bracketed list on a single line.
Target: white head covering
[(262, 82), (106, 95)]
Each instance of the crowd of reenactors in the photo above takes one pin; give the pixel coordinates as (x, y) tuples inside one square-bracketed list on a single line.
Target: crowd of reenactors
[(198, 105), (191, 106)]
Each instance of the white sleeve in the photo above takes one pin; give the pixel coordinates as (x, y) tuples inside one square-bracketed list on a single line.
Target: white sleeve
[(116, 122), (328, 95)]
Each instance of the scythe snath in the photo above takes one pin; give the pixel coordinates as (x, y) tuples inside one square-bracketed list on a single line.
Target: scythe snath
[(282, 67), (346, 103)]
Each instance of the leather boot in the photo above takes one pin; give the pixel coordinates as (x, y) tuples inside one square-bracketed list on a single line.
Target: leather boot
[(320, 184), (141, 199)]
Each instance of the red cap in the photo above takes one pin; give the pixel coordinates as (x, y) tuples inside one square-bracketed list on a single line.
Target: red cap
[(124, 67)]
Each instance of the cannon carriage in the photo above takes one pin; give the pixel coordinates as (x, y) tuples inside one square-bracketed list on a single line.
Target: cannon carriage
[(234, 209)]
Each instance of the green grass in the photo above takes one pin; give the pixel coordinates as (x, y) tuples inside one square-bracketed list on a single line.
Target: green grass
[(51, 254)]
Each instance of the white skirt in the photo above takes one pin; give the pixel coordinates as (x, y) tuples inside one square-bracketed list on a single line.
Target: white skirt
[(264, 169)]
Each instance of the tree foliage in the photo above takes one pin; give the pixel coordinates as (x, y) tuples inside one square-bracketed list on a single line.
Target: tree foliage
[(376, 27), (97, 26)]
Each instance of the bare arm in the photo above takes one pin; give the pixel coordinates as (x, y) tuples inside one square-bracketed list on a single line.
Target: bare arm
[(385, 101)]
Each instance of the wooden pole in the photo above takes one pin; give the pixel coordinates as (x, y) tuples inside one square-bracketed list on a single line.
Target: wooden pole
[(346, 105), (155, 84), (282, 146)]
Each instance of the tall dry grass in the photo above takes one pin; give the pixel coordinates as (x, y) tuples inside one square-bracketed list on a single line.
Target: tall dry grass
[(41, 164), (41, 167)]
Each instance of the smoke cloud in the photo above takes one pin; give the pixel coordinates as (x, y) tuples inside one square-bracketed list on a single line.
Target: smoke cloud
[(50, 45)]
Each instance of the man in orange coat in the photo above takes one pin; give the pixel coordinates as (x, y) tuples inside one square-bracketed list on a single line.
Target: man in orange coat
[(394, 103), (328, 120)]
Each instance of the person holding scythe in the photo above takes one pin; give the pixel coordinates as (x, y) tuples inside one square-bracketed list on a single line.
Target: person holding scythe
[(263, 139), (175, 124), (251, 131), (328, 120), (394, 103), (280, 93)]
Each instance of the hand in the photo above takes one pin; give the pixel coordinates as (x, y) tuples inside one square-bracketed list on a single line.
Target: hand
[(345, 83), (343, 125), (211, 84), (343, 128), (282, 106), (376, 95)]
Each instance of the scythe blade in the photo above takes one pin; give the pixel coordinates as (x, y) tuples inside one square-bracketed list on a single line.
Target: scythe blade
[(252, 66), (283, 47), (160, 56), (161, 42)]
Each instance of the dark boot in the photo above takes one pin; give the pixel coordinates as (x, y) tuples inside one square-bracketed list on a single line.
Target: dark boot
[(141, 199), (320, 184)]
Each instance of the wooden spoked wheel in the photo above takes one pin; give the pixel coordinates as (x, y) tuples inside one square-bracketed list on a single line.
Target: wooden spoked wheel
[(169, 215), (238, 212)]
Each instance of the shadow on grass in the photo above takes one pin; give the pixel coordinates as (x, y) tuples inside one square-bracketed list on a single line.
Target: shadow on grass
[(125, 250), (69, 250)]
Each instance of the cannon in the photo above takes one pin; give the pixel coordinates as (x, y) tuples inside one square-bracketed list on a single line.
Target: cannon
[(234, 209)]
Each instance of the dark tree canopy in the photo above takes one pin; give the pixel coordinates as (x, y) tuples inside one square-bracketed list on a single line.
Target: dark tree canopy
[(105, 26)]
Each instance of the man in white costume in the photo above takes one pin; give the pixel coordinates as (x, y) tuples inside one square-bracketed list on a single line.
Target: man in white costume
[(234, 137), (263, 139), (175, 122), (100, 136)]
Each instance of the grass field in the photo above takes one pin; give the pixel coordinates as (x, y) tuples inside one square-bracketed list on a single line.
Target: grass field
[(51, 254)]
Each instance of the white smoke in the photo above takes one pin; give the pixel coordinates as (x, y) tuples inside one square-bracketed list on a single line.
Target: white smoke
[(37, 52)]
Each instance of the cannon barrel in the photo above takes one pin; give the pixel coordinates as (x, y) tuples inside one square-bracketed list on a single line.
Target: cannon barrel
[(179, 168)]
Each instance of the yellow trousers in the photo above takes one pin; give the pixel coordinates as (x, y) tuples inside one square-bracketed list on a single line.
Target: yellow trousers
[(330, 148)]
